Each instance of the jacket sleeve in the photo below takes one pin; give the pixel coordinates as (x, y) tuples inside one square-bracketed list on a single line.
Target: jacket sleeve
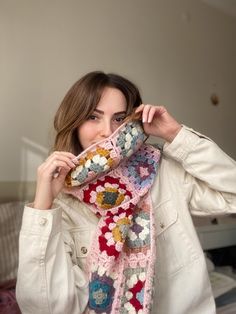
[(209, 173), (47, 281)]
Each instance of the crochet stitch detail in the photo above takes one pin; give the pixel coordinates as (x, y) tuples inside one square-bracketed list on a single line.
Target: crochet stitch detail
[(106, 155)]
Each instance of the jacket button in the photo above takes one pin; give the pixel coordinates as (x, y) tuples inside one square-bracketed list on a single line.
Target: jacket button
[(84, 250), (42, 221), (162, 225)]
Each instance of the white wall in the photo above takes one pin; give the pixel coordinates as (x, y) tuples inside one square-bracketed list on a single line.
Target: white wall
[(178, 52)]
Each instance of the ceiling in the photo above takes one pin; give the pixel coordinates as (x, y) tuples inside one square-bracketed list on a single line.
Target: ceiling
[(227, 6)]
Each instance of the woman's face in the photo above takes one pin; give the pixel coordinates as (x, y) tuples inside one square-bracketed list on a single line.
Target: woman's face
[(106, 118)]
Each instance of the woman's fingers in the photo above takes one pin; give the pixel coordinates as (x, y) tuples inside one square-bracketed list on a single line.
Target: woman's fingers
[(146, 111), (67, 158), (140, 108), (51, 177), (151, 114), (61, 155), (57, 162), (56, 166), (149, 111)]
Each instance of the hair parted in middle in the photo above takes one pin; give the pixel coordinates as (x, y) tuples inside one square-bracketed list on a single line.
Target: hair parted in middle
[(80, 102)]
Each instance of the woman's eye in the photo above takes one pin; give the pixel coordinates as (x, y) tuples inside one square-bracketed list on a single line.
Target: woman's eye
[(119, 119), (92, 117)]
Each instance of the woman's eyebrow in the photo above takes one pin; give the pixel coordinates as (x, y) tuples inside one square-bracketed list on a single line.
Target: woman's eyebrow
[(118, 113), (115, 114), (99, 111)]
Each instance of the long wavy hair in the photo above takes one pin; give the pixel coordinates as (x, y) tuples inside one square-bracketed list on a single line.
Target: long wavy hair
[(80, 102)]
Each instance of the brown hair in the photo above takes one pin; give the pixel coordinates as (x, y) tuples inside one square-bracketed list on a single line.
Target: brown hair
[(80, 102)]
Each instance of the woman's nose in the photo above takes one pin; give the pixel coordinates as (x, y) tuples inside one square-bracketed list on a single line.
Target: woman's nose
[(106, 129)]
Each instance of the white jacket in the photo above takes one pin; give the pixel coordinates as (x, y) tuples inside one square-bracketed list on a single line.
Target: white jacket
[(194, 177)]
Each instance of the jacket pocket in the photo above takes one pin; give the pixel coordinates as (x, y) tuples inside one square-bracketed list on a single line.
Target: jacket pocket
[(164, 218), (82, 241), (175, 249)]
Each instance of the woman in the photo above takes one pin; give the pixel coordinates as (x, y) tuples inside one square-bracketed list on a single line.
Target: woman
[(110, 229)]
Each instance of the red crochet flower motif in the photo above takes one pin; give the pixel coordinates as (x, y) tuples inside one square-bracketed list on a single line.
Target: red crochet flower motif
[(114, 231), (106, 193)]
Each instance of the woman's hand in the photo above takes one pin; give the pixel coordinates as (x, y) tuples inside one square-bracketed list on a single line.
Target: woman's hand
[(51, 177), (158, 122)]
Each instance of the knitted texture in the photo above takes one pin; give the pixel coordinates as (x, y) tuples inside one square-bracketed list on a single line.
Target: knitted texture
[(121, 259)]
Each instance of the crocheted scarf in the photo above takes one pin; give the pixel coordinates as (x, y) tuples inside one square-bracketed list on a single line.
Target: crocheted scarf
[(113, 179)]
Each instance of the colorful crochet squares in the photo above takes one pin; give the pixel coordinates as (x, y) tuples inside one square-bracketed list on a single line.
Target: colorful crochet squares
[(107, 154), (101, 293), (107, 193), (132, 300)]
